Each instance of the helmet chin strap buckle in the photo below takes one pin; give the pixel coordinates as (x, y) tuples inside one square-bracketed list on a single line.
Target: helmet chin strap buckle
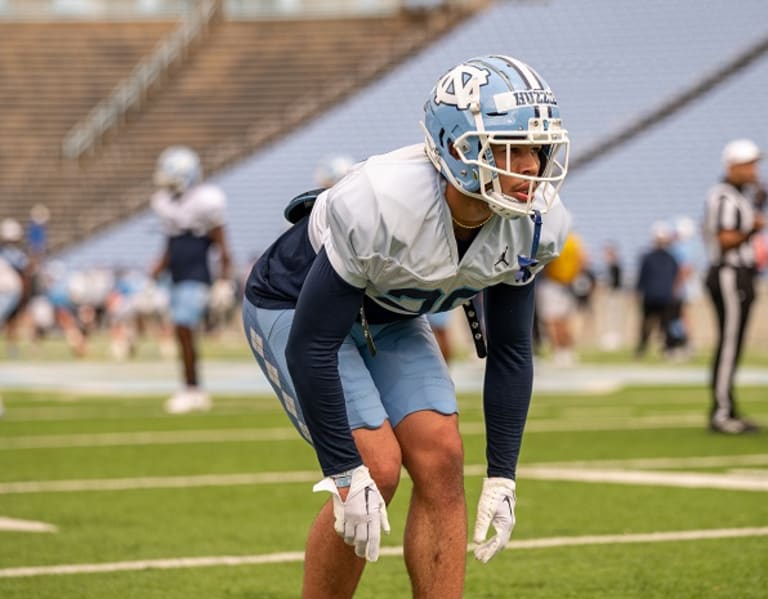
[(528, 262)]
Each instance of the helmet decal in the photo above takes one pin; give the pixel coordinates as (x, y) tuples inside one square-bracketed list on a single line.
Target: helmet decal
[(461, 86)]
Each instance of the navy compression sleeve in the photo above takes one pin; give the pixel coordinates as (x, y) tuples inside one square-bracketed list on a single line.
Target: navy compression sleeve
[(508, 374), (325, 312)]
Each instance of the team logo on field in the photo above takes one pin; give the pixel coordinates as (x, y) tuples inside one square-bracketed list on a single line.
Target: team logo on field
[(461, 86)]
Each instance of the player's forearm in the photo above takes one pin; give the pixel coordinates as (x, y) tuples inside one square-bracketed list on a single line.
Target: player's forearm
[(325, 313), (314, 371), (731, 239), (162, 264), (508, 375), (506, 398)]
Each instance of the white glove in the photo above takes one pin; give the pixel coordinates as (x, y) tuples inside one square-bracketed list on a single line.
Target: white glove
[(360, 518), (496, 506), (222, 295)]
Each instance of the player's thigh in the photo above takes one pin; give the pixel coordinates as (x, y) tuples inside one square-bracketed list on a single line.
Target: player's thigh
[(268, 332), (409, 370)]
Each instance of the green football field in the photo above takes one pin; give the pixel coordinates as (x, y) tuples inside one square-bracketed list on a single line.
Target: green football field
[(622, 494)]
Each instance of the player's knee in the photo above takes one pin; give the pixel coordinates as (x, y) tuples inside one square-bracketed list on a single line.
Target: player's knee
[(440, 467), (386, 473)]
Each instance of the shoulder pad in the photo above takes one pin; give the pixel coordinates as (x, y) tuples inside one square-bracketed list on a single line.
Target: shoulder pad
[(301, 205)]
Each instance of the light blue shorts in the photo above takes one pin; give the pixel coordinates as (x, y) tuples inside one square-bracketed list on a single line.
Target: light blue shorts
[(407, 374), (189, 301), (439, 320), (8, 302)]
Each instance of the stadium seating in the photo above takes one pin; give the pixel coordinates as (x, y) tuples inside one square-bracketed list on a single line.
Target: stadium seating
[(241, 85), (609, 68), (53, 74)]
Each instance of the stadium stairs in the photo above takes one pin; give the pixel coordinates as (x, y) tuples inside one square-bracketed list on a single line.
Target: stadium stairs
[(242, 85)]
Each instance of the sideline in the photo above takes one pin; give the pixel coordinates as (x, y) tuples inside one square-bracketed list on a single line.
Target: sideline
[(224, 377), (298, 556)]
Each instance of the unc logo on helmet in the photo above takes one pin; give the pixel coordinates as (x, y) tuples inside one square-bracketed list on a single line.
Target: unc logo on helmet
[(461, 86), (494, 106)]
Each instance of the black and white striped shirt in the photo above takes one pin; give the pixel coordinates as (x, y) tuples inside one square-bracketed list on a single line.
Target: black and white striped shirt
[(728, 209)]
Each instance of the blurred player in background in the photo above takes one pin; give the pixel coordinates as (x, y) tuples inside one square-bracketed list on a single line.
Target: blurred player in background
[(657, 285), (689, 286), (193, 216), (15, 279), (556, 301), (335, 314), (731, 221), (613, 318), (332, 169)]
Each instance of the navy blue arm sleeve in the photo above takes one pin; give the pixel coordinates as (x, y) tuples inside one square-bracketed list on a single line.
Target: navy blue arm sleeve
[(508, 374), (325, 312)]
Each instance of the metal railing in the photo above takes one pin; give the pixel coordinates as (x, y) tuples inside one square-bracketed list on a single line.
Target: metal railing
[(131, 92)]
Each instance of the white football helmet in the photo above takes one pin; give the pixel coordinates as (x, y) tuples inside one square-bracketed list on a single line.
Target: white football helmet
[(496, 101), (332, 169), (178, 169)]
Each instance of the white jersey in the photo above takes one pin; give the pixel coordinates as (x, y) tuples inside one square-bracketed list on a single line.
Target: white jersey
[(197, 211), (387, 228)]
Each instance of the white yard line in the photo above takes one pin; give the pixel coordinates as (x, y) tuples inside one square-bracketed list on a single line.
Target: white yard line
[(667, 479), (17, 525), (234, 435), (237, 435), (544, 471), (713, 461), (298, 556), (120, 411), (158, 482)]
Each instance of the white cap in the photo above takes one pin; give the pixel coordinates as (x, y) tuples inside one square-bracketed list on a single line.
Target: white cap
[(661, 232), (740, 151)]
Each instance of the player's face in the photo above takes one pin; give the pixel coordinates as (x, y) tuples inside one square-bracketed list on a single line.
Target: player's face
[(523, 159), (743, 173)]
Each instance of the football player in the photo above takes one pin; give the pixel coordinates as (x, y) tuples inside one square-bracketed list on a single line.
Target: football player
[(15, 279), (335, 315), (193, 217)]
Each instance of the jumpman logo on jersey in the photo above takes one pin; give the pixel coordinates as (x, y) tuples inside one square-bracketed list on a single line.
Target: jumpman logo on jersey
[(503, 257)]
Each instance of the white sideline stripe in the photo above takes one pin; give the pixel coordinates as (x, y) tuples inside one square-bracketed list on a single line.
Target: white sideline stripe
[(239, 435), (533, 471), (26, 525), (297, 556)]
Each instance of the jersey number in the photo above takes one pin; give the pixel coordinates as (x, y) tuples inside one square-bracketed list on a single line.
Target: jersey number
[(429, 299)]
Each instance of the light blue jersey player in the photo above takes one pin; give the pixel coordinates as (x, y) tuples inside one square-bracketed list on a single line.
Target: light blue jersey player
[(335, 315), (192, 214)]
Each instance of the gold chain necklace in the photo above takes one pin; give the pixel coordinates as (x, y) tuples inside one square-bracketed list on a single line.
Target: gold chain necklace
[(463, 226)]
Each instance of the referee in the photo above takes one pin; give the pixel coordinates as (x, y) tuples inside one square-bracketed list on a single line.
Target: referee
[(731, 220)]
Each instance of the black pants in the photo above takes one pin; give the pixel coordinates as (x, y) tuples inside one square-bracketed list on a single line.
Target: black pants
[(659, 313), (732, 291)]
